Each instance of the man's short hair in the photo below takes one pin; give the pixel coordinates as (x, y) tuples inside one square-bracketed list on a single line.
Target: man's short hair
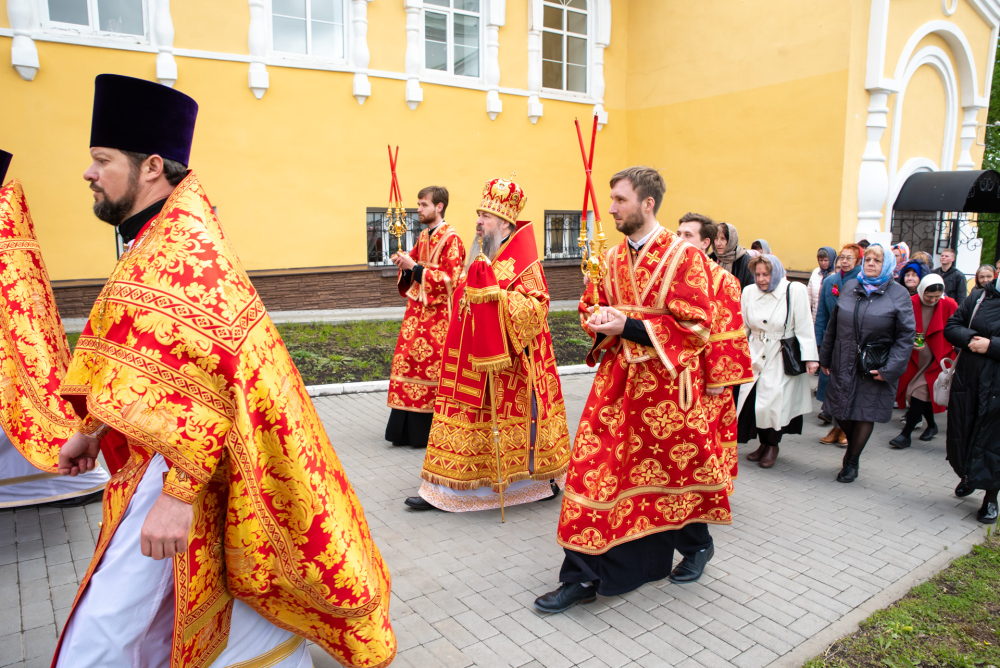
[(709, 228), (172, 170), (949, 250), (438, 195), (864, 243), (646, 182)]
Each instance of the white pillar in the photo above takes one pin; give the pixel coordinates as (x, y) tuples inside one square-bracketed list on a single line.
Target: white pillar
[(535, 11), (258, 77), (23, 53), (414, 94), (163, 39), (494, 19), (873, 179), (360, 55), (970, 126), (602, 39)]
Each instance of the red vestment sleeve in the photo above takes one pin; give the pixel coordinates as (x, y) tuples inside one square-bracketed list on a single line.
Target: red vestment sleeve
[(727, 357)]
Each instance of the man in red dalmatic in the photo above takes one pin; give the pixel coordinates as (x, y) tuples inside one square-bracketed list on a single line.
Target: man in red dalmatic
[(646, 474), (727, 357), (427, 278)]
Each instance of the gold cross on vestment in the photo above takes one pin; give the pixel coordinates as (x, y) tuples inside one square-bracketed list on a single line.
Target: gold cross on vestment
[(654, 256)]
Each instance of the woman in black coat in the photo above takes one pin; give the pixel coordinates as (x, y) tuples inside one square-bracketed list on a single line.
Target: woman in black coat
[(881, 309), (974, 405)]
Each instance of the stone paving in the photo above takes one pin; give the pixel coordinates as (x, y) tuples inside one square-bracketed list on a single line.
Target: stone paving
[(805, 559)]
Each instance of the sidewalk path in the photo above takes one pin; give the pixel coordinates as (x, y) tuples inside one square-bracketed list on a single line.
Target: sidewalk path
[(806, 559)]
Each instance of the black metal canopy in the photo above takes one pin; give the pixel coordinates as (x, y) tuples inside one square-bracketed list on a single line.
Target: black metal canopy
[(969, 191)]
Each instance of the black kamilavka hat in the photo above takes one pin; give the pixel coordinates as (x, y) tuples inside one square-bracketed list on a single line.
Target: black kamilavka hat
[(5, 158), (142, 116)]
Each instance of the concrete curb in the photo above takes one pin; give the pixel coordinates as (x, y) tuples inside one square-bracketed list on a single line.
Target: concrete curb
[(850, 622), (383, 385)]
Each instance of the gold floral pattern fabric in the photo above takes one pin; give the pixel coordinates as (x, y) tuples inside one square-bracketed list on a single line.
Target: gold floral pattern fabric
[(645, 458), (34, 354), (461, 453), (416, 363), (180, 357)]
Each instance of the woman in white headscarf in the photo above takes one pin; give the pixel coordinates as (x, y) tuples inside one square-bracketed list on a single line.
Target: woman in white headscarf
[(731, 256), (775, 309), (931, 310)]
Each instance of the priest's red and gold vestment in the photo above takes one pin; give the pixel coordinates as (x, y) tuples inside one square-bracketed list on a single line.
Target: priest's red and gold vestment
[(34, 354), (180, 357), (645, 459), (531, 414), (727, 361), (416, 364)]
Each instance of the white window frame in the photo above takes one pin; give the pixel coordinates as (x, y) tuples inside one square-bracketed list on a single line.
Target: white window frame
[(449, 76), (591, 21), (288, 56), (75, 28)]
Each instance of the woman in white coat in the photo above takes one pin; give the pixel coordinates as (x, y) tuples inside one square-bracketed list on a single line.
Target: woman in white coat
[(775, 403)]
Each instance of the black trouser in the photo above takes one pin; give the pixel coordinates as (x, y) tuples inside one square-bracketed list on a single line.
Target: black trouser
[(918, 409)]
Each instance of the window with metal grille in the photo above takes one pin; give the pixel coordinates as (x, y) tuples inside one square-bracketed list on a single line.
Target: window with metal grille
[(451, 36), (381, 244), (562, 228), (564, 45)]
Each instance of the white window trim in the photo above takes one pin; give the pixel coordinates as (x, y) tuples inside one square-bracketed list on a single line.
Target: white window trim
[(99, 36), (590, 44), (442, 77), (280, 58)]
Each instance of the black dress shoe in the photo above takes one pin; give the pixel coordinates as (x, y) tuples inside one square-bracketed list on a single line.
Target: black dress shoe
[(988, 513), (961, 491), (564, 598), (825, 417), (849, 473), (900, 442), (419, 503), (929, 433), (78, 500), (691, 568)]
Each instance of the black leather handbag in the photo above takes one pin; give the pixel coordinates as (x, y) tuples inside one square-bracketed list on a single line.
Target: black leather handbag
[(791, 353), (871, 356)]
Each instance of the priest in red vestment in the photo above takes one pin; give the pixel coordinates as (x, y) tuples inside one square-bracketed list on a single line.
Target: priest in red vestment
[(231, 535), (499, 433), (427, 278), (34, 420), (646, 476)]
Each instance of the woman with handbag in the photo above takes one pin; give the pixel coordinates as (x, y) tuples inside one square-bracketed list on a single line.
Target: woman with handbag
[(931, 309), (973, 441), (865, 351), (782, 348)]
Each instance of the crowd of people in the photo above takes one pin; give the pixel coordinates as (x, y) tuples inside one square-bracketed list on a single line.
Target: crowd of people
[(887, 330)]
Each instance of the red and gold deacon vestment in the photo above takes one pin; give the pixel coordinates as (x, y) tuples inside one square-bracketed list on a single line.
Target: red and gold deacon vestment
[(727, 361), (645, 459), (416, 364), (534, 438), (180, 357)]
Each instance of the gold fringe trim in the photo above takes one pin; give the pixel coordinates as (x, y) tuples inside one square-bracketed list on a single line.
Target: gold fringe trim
[(495, 363), (482, 295), (466, 485)]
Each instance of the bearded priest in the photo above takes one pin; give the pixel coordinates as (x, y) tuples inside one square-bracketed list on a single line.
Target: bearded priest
[(499, 435), (34, 420), (427, 278), (231, 535), (645, 464)]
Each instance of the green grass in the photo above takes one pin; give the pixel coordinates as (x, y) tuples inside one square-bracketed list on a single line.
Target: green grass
[(951, 621)]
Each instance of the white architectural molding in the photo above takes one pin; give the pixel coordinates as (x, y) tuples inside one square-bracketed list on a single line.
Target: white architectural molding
[(257, 39), (938, 60), (970, 127), (949, 10), (23, 52), (360, 55), (496, 17), (535, 16), (414, 93), (873, 179), (602, 40), (162, 37), (960, 50)]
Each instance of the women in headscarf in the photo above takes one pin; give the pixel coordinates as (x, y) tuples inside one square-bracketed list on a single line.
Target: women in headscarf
[(761, 246), (931, 310), (731, 256), (901, 251), (871, 309), (985, 274), (774, 309), (910, 275), (826, 258)]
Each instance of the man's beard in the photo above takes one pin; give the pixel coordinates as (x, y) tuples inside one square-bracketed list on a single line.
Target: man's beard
[(489, 244), (429, 220), (630, 224), (113, 212)]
